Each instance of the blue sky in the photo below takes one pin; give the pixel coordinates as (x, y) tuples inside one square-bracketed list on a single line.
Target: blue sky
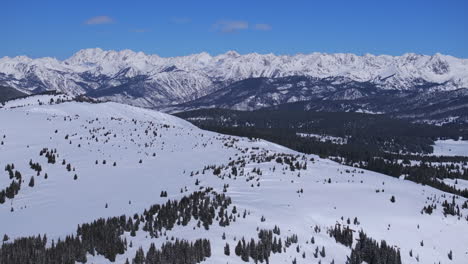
[(173, 28)]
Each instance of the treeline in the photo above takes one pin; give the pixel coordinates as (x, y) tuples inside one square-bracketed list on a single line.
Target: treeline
[(424, 173), (99, 237), (104, 236), (352, 151), (34, 250), (373, 131), (370, 152)]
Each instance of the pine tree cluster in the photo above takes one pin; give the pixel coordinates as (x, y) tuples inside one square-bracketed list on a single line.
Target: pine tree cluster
[(103, 236), (292, 239), (35, 166), (451, 208), (343, 236), (370, 251), (49, 154), (179, 252), (12, 190), (34, 250), (198, 205), (259, 250), (429, 209)]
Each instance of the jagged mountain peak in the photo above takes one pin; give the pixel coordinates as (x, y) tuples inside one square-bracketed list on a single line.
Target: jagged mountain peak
[(315, 64), (98, 54), (172, 80), (232, 53)]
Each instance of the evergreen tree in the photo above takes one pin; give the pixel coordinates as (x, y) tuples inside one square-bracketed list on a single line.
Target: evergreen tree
[(226, 250), (31, 182), (322, 252), (139, 257), (238, 249), (2, 197)]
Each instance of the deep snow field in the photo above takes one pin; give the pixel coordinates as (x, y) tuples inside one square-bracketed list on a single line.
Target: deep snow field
[(84, 133), (450, 147)]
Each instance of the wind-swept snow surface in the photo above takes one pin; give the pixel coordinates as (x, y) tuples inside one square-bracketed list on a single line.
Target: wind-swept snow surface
[(123, 157)]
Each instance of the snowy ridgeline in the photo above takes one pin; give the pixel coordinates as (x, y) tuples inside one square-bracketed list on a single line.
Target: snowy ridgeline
[(105, 160), (399, 72), (46, 99), (150, 81)]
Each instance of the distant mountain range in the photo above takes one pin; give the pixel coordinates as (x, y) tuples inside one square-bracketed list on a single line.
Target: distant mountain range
[(426, 88), (422, 104)]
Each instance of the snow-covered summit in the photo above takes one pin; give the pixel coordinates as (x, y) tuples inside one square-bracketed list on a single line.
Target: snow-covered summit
[(199, 74)]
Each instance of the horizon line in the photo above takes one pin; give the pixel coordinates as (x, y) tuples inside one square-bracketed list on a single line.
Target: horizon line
[(233, 51)]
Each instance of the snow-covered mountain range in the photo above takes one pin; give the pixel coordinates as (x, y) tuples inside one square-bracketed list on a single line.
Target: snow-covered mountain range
[(152, 81), (77, 162)]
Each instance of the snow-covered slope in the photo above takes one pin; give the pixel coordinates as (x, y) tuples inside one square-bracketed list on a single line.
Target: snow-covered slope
[(450, 147), (146, 152), (150, 80)]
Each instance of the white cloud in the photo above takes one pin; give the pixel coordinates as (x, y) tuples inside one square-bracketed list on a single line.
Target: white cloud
[(230, 26), (264, 27), (97, 20)]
